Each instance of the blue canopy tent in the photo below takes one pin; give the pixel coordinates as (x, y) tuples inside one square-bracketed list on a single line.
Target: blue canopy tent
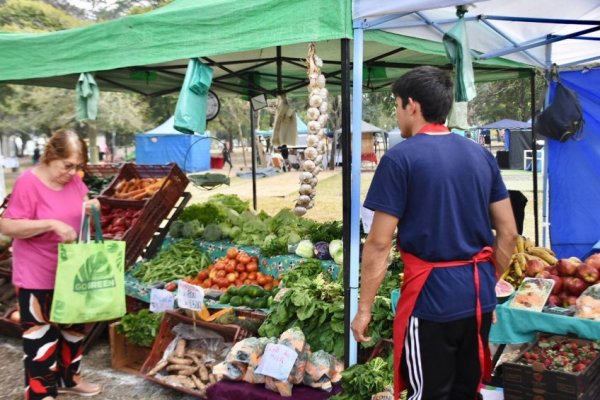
[(513, 29), (574, 173), (164, 144)]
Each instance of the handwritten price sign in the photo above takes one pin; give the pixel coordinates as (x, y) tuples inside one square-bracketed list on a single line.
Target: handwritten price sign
[(161, 300), (190, 296), (277, 361)]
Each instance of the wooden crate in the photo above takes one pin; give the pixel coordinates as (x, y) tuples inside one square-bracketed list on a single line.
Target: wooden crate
[(124, 355)]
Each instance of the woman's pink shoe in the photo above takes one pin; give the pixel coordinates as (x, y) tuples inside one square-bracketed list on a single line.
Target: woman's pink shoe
[(81, 389)]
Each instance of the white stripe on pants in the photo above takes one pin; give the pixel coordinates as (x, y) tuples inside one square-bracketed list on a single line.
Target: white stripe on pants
[(412, 355)]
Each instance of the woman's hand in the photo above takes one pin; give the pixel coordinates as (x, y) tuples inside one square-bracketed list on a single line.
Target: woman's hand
[(88, 205), (64, 231)]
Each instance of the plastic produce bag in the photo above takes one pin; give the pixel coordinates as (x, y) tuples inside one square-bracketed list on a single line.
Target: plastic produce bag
[(588, 303)]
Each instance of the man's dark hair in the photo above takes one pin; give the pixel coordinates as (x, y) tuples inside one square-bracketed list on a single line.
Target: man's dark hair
[(431, 87)]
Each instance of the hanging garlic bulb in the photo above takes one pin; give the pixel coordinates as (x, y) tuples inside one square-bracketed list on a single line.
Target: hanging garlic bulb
[(316, 140), (313, 114)]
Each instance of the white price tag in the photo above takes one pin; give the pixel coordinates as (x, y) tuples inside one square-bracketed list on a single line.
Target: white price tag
[(161, 300), (190, 296), (277, 361)]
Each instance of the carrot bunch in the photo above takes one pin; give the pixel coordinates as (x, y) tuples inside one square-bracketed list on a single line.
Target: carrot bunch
[(137, 188)]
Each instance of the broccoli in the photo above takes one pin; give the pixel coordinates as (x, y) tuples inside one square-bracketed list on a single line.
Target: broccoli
[(175, 229), (212, 233), (191, 229)]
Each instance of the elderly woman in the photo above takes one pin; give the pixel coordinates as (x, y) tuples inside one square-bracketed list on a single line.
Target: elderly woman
[(45, 209)]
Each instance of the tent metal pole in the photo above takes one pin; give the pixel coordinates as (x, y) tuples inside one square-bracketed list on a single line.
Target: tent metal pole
[(253, 144), (356, 134), (534, 160), (279, 71), (346, 199), (545, 222)]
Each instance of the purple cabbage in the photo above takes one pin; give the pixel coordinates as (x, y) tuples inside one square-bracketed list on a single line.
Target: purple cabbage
[(321, 251)]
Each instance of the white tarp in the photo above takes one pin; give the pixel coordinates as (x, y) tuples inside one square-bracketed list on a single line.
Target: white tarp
[(483, 38)]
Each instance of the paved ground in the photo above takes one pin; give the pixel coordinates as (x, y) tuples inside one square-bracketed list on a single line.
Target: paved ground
[(95, 368)]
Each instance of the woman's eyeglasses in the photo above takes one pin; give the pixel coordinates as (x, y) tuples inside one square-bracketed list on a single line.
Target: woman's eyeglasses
[(68, 166)]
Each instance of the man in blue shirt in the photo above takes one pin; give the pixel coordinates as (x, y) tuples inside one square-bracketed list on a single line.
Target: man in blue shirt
[(444, 194)]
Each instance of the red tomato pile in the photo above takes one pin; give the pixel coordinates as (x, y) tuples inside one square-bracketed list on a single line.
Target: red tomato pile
[(237, 268), (116, 221)]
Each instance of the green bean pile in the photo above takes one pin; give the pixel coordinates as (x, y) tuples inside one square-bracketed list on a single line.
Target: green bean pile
[(183, 259)]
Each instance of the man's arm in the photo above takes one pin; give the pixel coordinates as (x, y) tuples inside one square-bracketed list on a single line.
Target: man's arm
[(503, 221), (374, 266)]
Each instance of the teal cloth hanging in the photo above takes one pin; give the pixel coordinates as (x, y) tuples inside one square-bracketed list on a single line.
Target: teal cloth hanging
[(88, 96), (190, 113), (457, 48)]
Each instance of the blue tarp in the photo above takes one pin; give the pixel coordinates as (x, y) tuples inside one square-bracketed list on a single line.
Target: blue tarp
[(574, 174), (163, 145)]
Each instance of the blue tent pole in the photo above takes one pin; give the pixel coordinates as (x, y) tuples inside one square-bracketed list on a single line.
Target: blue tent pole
[(356, 134)]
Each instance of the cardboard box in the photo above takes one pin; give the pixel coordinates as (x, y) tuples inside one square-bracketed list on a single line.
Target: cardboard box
[(525, 381), (125, 356)]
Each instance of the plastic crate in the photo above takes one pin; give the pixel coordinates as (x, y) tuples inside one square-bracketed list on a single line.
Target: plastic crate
[(102, 170), (230, 333), (559, 385), (172, 188), (125, 356)]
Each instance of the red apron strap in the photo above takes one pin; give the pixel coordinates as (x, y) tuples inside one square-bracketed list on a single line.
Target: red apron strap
[(416, 272)]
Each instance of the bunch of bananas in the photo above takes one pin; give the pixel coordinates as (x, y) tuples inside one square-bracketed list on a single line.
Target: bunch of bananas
[(524, 251)]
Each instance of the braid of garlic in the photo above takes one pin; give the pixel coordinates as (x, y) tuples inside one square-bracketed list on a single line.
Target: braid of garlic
[(316, 143)]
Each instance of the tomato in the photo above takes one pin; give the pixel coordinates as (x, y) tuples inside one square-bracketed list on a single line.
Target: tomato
[(252, 276), (229, 267), (243, 275), (244, 258), (252, 267), (254, 259), (275, 282), (221, 273), (269, 278), (240, 267), (268, 286), (213, 274), (239, 282), (202, 275), (220, 264), (232, 252), (231, 277), (222, 282), (216, 287), (172, 286), (248, 282), (261, 280), (231, 262)]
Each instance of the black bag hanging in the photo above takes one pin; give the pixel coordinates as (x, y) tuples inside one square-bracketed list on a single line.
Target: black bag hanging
[(563, 118)]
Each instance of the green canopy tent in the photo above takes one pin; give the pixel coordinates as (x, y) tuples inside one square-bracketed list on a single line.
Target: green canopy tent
[(148, 53), (257, 46)]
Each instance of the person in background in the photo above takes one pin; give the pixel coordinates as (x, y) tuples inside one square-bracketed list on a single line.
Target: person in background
[(35, 158), (45, 209), (285, 154), (444, 195)]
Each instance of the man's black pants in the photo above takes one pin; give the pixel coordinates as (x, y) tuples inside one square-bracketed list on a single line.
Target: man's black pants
[(440, 360)]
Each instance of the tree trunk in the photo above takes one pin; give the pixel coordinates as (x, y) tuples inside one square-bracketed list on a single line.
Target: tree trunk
[(241, 136), (93, 146)]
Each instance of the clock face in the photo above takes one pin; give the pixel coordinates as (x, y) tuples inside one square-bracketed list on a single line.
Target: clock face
[(212, 106)]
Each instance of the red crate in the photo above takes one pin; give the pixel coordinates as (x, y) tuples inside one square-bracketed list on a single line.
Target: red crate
[(231, 333)]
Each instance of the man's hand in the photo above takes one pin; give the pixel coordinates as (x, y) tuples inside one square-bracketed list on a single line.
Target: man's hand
[(64, 231), (360, 325)]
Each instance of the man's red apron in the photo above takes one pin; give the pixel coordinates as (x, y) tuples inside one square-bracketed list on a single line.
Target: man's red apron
[(416, 272)]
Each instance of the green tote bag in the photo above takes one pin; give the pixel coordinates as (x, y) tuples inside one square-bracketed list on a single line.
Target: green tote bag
[(90, 278)]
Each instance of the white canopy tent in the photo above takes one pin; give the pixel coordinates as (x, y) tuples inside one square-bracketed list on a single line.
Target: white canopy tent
[(535, 33)]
